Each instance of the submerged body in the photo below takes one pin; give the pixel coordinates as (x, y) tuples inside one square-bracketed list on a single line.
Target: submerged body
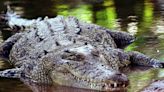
[(69, 52), (155, 86)]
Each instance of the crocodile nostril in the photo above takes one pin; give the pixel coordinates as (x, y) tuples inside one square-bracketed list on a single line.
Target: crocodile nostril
[(95, 53), (119, 74)]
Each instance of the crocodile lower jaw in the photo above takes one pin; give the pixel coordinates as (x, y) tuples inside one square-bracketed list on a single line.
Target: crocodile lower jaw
[(86, 83)]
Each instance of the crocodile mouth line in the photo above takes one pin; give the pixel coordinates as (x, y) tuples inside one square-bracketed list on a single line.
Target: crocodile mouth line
[(103, 85), (109, 84)]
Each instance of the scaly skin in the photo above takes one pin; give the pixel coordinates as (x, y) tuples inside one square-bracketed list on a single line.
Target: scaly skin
[(68, 52), (155, 86)]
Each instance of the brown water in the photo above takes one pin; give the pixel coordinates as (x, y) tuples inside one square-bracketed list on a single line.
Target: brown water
[(142, 18)]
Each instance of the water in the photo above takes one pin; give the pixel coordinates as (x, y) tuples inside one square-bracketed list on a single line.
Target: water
[(142, 18)]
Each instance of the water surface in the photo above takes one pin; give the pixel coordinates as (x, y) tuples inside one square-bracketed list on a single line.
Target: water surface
[(142, 18)]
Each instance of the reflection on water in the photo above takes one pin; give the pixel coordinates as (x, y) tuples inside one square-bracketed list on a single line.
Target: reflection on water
[(142, 18)]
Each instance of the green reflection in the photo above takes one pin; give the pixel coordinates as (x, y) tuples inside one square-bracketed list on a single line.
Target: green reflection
[(101, 18), (82, 12), (131, 47), (148, 13), (141, 78), (143, 27), (111, 15), (147, 17), (107, 17), (62, 9), (161, 73)]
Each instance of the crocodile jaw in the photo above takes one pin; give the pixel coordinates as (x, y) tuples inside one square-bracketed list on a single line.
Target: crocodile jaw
[(83, 70), (105, 82)]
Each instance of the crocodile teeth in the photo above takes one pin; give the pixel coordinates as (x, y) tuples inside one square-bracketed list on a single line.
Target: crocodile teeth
[(115, 85), (94, 84), (88, 80), (95, 81), (109, 85)]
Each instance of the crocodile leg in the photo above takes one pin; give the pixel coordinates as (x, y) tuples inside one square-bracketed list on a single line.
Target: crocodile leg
[(6, 46), (11, 73), (141, 59), (38, 74), (122, 39)]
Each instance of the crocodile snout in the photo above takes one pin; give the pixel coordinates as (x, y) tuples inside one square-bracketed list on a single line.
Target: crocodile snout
[(117, 82), (121, 79)]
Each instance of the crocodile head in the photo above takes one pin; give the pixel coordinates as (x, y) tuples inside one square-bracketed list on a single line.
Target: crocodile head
[(83, 67)]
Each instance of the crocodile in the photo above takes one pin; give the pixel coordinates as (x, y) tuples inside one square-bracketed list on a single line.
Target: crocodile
[(69, 52)]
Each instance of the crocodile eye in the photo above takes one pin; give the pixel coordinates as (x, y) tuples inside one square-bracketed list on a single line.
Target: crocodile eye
[(95, 53), (73, 56)]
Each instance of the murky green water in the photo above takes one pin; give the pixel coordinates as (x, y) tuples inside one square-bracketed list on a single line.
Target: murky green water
[(142, 18)]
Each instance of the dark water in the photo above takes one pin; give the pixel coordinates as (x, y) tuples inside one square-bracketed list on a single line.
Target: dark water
[(142, 18)]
